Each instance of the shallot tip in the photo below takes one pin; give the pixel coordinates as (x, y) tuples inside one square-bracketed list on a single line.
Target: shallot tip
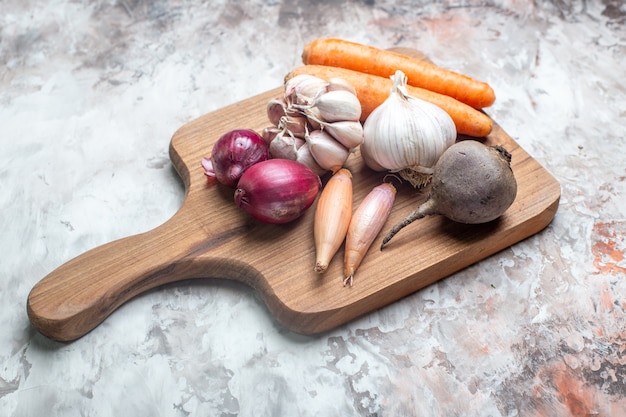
[(348, 280)]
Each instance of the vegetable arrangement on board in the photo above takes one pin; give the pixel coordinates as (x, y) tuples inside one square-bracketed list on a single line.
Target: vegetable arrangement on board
[(405, 115)]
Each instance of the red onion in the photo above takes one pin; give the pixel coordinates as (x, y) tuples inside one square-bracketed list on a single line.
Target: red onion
[(277, 190), (233, 153)]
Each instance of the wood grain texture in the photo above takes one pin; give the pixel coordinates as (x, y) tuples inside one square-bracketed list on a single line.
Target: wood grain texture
[(211, 238)]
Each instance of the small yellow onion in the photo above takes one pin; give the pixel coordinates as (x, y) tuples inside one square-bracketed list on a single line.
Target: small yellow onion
[(406, 135)]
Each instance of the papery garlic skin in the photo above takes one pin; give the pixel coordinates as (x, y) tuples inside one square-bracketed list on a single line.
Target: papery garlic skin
[(340, 84), (276, 110), (285, 146), (347, 132), (338, 105), (406, 135), (328, 153), (269, 133), (304, 89), (295, 125), (304, 156), (326, 114)]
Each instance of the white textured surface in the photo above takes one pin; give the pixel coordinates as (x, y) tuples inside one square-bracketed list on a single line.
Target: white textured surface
[(90, 94)]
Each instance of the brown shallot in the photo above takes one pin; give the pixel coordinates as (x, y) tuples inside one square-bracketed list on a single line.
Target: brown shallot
[(366, 223), (332, 217)]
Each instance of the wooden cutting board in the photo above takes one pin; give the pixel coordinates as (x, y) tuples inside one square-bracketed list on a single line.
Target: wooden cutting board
[(209, 237)]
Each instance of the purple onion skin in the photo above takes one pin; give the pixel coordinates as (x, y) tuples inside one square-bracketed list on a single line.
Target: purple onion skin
[(233, 153), (277, 191)]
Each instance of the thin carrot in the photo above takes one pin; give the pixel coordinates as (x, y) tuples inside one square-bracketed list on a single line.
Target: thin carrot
[(372, 90), (420, 73)]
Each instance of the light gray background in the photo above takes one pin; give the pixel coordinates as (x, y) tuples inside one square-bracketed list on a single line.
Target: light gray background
[(90, 95)]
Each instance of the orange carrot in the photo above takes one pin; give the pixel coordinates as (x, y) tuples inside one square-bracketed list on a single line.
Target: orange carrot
[(384, 63), (372, 90)]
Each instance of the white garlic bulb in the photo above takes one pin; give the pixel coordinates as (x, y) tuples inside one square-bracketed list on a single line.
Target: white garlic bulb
[(406, 135)]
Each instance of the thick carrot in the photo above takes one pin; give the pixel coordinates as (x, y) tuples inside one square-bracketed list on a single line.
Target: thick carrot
[(384, 63), (372, 90)]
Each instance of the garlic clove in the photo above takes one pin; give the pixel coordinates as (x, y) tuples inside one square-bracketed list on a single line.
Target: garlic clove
[(346, 132), (269, 133), (329, 154), (293, 112), (314, 118), (303, 155), (276, 109), (285, 146), (336, 83), (295, 125), (338, 105), (304, 89)]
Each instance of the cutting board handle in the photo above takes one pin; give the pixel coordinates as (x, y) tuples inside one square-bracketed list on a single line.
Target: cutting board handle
[(80, 294)]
